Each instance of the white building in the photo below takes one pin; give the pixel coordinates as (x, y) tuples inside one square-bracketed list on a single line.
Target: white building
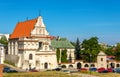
[(30, 46), (2, 54)]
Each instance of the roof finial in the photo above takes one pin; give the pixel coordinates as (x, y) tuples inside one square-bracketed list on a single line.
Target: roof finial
[(39, 12), (26, 18)]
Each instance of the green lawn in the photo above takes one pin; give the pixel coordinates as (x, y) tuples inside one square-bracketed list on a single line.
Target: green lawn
[(57, 74), (38, 74)]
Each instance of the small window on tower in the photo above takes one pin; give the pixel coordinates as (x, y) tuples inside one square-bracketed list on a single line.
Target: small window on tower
[(101, 59)]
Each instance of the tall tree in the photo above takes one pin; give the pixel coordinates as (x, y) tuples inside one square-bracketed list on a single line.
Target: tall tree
[(4, 40), (110, 50), (64, 56), (77, 49), (58, 54), (91, 48), (117, 52)]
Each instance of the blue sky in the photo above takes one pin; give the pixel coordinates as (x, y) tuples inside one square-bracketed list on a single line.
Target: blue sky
[(66, 18)]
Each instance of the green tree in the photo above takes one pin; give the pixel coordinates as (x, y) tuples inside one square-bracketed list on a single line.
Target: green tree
[(117, 52), (109, 51), (77, 49), (90, 49), (58, 54), (73, 43), (64, 56), (4, 40)]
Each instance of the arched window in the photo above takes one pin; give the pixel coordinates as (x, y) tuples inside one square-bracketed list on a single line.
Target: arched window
[(92, 65), (117, 65), (30, 56)]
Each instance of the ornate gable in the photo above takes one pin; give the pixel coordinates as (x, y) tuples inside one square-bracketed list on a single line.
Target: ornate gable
[(40, 28)]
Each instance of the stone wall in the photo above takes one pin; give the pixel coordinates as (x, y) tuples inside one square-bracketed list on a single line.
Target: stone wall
[(12, 58)]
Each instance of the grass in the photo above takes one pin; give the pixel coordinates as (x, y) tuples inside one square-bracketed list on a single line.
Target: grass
[(57, 74), (106, 74), (38, 74)]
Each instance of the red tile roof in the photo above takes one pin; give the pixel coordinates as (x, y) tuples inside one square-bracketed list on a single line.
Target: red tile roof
[(110, 56), (23, 29)]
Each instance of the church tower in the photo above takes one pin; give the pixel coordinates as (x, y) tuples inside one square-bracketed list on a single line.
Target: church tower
[(101, 60)]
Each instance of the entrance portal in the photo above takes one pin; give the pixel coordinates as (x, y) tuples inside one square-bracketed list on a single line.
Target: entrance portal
[(46, 65)]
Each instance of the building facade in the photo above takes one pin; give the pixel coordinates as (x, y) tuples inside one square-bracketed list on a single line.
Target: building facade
[(2, 54), (30, 46), (63, 44)]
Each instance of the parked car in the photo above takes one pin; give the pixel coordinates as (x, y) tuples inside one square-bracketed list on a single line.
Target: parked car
[(117, 70), (12, 71), (66, 71), (6, 69), (102, 70), (34, 70), (83, 69), (92, 69), (56, 69), (110, 69)]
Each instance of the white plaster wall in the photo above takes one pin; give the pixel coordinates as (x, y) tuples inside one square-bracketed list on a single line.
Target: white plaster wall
[(50, 59), (101, 63), (30, 62), (2, 54)]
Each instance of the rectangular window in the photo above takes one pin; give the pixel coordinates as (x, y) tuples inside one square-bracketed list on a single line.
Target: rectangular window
[(40, 44)]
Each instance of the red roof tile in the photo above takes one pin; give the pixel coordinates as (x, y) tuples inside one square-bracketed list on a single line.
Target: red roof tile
[(23, 29)]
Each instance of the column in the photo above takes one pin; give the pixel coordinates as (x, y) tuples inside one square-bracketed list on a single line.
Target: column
[(9, 50), (16, 48)]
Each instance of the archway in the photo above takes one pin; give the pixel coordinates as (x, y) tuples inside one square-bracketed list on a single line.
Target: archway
[(70, 66), (79, 65), (117, 65), (92, 65), (46, 65), (63, 66), (112, 65), (86, 65)]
